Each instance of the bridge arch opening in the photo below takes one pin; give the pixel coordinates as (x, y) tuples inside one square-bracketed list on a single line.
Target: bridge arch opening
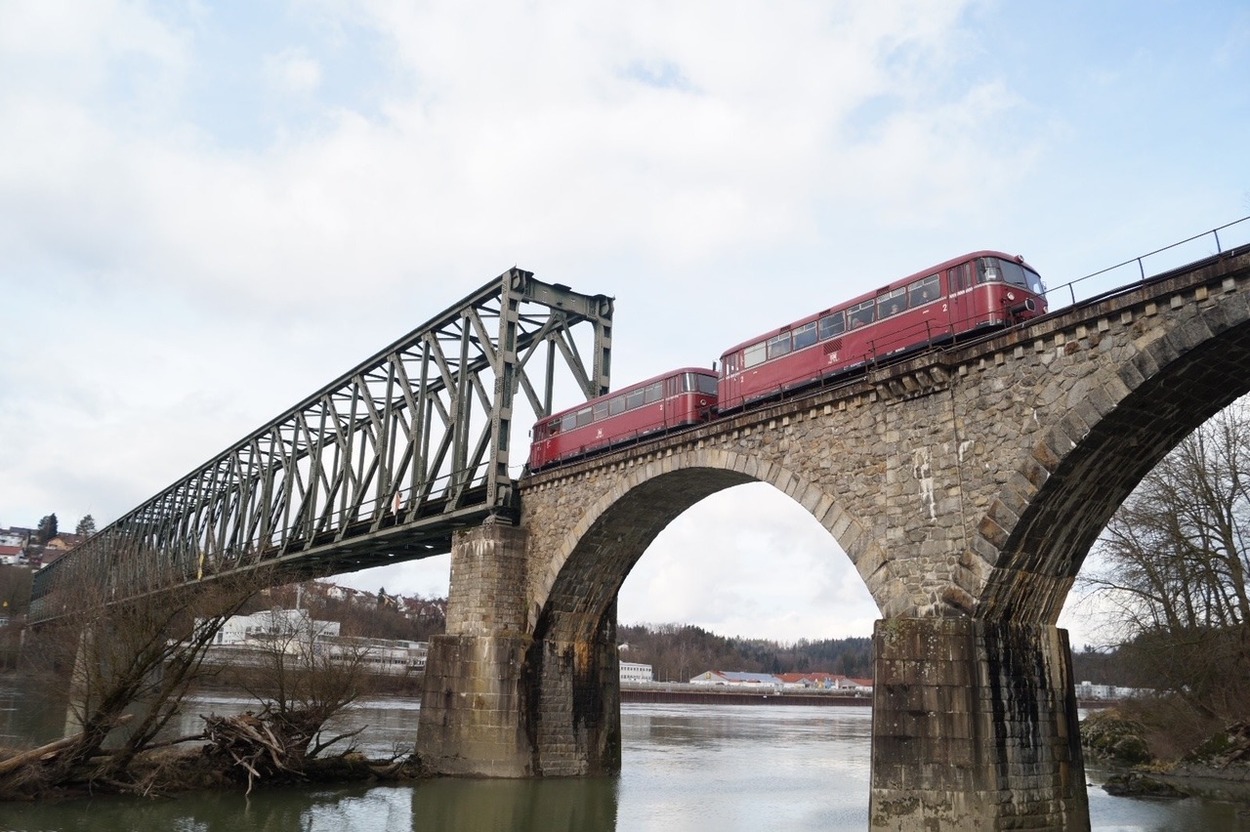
[(748, 561), (1085, 468), (573, 656)]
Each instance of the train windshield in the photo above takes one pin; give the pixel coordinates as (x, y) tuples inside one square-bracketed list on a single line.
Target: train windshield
[(697, 382), (994, 269)]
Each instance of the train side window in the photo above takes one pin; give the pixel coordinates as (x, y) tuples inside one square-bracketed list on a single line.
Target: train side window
[(755, 354), (861, 314), (779, 345), (730, 363), (832, 325), (568, 422), (922, 291), (601, 411), (805, 336), (891, 303), (616, 405), (634, 398), (583, 417), (653, 392)]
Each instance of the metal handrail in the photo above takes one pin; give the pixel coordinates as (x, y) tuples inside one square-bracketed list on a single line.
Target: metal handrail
[(1139, 260)]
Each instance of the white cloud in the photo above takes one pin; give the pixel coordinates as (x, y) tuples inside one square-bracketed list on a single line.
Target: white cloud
[(200, 223), (292, 71)]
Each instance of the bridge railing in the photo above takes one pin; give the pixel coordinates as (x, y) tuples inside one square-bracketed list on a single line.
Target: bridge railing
[(1145, 266)]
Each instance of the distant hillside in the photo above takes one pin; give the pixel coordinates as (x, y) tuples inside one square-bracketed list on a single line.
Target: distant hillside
[(677, 652)]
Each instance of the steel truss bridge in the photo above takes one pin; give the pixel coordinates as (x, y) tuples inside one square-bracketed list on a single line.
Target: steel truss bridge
[(381, 465)]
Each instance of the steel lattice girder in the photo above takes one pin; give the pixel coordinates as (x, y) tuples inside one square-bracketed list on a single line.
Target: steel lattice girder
[(380, 465)]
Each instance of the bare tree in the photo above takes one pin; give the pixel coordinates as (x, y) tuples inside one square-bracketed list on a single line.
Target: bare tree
[(124, 663), (1172, 568), (302, 677)]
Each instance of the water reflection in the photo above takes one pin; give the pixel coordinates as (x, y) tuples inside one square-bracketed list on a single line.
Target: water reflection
[(685, 768)]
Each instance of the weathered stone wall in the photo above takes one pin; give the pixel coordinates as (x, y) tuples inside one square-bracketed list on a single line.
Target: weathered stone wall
[(974, 728), (473, 707)]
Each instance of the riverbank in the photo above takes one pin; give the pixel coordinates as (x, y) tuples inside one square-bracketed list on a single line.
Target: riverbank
[(676, 694)]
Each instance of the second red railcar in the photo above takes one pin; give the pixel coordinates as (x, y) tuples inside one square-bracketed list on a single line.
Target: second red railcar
[(981, 290), (680, 397)]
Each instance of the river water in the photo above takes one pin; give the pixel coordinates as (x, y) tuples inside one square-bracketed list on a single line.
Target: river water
[(685, 768)]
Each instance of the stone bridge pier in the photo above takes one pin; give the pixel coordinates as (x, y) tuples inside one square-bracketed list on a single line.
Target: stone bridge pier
[(966, 488)]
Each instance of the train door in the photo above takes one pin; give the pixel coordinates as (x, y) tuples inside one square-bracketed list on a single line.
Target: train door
[(959, 303), (668, 404)]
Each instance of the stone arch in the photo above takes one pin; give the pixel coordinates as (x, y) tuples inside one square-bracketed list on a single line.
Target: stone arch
[(596, 555), (1042, 524)]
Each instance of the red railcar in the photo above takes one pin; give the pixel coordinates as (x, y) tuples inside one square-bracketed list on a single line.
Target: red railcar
[(680, 397), (982, 290)]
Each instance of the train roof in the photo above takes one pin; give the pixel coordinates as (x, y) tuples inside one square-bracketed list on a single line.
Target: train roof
[(707, 371), (902, 281)]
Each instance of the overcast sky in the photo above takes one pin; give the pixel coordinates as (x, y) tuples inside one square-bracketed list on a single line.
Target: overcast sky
[(208, 211)]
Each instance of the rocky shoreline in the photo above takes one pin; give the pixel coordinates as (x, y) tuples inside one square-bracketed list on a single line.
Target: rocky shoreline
[(1219, 769)]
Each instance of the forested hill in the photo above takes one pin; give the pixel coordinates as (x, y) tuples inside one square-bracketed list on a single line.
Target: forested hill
[(677, 652)]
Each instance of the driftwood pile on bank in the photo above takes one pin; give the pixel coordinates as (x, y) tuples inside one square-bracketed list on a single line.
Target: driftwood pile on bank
[(247, 742)]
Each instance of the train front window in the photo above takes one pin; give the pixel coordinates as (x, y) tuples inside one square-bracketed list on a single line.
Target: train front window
[(996, 269), (1012, 272), (707, 384)]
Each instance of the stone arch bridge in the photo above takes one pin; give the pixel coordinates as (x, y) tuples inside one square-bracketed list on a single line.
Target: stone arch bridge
[(966, 486)]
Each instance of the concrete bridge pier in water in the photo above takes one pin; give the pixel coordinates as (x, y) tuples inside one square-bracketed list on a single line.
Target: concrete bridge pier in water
[(974, 727), (500, 701)]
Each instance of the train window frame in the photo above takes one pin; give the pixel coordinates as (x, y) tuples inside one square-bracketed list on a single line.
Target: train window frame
[(600, 411), (960, 277), (635, 398), (616, 405), (585, 415), (831, 325), (891, 303), (706, 384), (855, 315), (804, 336), (780, 345), (568, 422), (922, 291), (754, 355), (653, 393), (983, 275)]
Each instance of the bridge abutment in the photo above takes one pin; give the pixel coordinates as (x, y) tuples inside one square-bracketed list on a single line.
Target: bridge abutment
[(974, 728), (472, 709)]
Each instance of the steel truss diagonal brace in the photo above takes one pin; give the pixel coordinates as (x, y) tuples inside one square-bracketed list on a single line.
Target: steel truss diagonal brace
[(381, 464)]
